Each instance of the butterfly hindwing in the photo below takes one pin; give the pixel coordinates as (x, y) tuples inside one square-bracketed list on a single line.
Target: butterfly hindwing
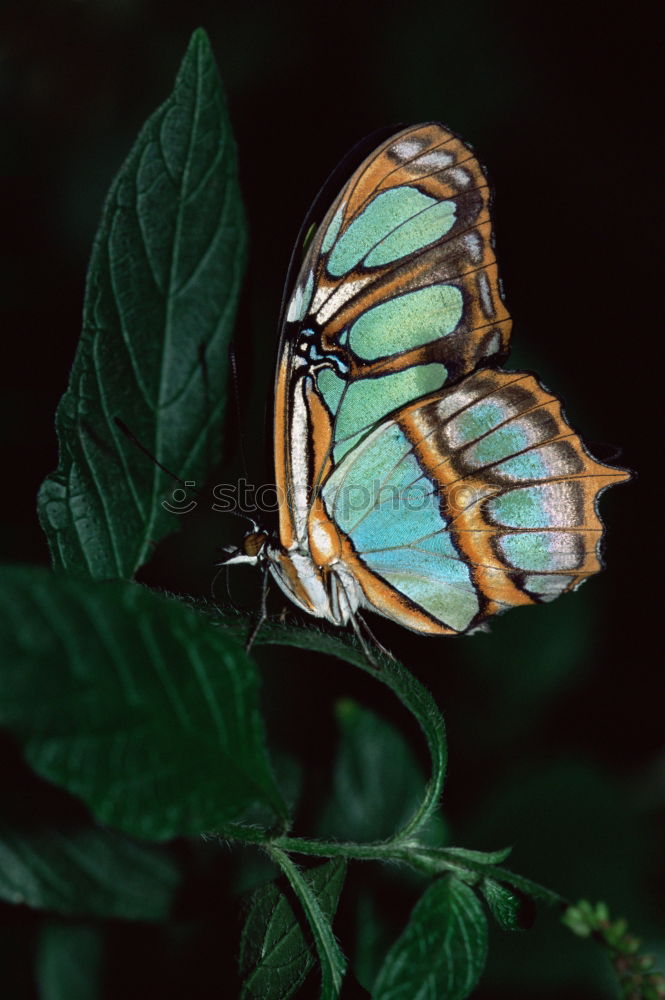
[(471, 501)]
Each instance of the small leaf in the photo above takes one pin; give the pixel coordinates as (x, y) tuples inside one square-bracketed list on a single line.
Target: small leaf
[(82, 870), (377, 781), (331, 959), (132, 701), (511, 910), (160, 302), (442, 951), (69, 962), (275, 955)]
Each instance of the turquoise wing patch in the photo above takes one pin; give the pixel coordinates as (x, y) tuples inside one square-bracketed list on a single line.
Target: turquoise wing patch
[(356, 407), (407, 321), (396, 223), (386, 504)]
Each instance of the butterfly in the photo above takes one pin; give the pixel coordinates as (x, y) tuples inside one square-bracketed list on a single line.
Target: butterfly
[(415, 477)]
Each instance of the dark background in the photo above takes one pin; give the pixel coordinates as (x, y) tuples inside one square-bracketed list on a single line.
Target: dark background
[(555, 719)]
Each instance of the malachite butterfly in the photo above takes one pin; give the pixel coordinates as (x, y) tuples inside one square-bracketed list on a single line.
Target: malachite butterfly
[(415, 478)]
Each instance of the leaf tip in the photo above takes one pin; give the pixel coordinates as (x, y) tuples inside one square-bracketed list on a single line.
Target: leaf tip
[(199, 49), (199, 39)]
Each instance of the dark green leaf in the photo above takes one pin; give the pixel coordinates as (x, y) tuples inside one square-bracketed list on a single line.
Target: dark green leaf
[(84, 871), (132, 701), (468, 867), (331, 958), (69, 962), (442, 951), (410, 692), (511, 910), (160, 302), (377, 782), (275, 954)]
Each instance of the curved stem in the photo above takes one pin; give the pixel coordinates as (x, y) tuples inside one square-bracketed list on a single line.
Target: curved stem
[(413, 695)]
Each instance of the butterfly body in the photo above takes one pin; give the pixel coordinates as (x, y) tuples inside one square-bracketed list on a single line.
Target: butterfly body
[(415, 478)]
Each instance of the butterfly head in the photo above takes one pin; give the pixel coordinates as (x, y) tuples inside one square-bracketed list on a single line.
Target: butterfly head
[(253, 549), (254, 542)]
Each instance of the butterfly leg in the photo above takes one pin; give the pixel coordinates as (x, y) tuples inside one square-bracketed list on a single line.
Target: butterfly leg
[(262, 614), (372, 638), (364, 644), (232, 603)]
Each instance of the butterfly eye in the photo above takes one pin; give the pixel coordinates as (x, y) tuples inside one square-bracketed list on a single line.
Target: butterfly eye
[(254, 542)]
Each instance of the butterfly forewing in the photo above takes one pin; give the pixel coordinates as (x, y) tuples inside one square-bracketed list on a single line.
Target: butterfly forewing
[(414, 215), (398, 294)]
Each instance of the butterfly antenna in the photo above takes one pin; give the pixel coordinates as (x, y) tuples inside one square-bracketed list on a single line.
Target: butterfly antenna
[(205, 378), (129, 434), (236, 399)]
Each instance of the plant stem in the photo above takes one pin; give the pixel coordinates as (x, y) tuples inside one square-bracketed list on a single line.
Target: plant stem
[(412, 694), (432, 860), (389, 850), (397, 849)]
